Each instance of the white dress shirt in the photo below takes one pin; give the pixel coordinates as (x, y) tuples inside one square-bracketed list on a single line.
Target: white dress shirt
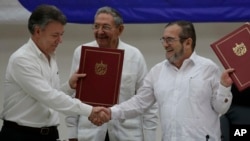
[(32, 90), (140, 128), (190, 99)]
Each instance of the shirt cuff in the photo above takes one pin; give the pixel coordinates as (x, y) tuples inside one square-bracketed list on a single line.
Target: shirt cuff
[(115, 113), (225, 90), (86, 109)]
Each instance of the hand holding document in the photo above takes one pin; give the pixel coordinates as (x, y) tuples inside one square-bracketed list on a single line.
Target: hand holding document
[(103, 67), (233, 50)]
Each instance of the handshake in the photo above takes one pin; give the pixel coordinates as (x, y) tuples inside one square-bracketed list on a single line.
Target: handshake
[(100, 115)]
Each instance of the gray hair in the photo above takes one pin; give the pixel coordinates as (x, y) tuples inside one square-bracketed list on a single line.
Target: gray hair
[(43, 15), (111, 11)]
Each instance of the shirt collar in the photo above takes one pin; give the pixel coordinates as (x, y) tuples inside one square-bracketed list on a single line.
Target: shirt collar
[(36, 50), (192, 59), (120, 44)]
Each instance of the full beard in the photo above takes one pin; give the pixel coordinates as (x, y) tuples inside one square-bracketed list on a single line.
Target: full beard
[(176, 57)]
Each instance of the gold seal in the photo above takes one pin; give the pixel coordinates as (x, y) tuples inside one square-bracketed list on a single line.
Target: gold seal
[(100, 68), (240, 49)]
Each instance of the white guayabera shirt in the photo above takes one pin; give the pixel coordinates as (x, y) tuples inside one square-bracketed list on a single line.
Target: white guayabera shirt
[(190, 99)]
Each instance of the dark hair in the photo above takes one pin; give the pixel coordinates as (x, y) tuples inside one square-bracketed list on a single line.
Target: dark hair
[(108, 10), (43, 15), (188, 31)]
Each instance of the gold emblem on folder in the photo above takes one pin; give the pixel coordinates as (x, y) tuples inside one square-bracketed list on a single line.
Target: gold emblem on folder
[(240, 49), (100, 68)]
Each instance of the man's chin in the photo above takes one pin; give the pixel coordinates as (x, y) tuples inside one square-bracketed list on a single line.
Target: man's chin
[(103, 45), (171, 59)]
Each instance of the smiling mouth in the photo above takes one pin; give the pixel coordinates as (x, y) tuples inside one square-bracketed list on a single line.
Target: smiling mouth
[(169, 50)]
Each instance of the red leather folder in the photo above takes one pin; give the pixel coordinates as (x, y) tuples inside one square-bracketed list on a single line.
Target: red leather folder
[(233, 50), (103, 67)]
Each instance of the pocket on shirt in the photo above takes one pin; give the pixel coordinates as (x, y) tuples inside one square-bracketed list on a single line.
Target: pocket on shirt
[(199, 89)]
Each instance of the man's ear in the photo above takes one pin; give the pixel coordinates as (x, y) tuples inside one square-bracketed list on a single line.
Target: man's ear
[(37, 30), (189, 42), (121, 28)]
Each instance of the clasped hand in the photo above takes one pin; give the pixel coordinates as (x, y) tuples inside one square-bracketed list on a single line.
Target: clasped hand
[(100, 115)]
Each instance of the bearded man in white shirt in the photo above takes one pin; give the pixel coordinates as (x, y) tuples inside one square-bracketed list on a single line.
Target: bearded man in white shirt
[(190, 90), (32, 91)]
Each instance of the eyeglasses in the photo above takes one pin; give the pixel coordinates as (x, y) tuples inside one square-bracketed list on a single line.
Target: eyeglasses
[(169, 40), (104, 27)]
